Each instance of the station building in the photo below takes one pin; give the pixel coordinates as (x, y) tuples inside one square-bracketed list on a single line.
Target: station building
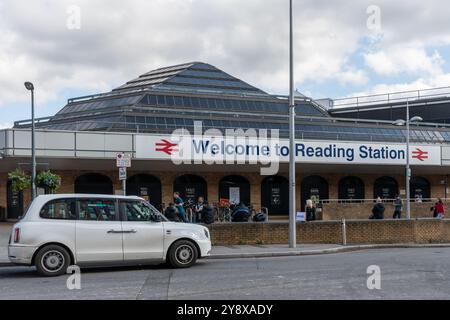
[(348, 152)]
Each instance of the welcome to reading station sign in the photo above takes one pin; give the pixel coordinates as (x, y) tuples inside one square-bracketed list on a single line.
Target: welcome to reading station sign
[(253, 149)]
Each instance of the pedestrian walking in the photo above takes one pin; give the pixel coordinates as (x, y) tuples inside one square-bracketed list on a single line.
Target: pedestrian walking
[(378, 210), (310, 210), (440, 210), (179, 204), (398, 206)]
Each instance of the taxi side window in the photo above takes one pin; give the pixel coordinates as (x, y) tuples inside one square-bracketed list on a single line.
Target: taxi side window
[(138, 211), (97, 210), (61, 209)]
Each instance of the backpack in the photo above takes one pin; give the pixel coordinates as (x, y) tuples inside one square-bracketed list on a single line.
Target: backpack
[(207, 215), (260, 217)]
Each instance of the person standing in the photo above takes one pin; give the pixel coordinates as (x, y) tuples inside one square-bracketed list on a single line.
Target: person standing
[(310, 210), (440, 211), (171, 213), (179, 204), (198, 210), (433, 209), (398, 206)]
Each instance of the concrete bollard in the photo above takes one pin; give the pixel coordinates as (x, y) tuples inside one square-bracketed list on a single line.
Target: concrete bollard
[(344, 232)]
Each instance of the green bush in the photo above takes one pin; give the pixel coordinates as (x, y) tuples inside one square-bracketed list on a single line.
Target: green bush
[(19, 180), (48, 181)]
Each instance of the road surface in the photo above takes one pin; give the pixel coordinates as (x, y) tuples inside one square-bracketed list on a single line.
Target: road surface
[(416, 273)]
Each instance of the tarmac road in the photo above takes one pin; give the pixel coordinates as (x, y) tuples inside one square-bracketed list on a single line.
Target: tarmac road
[(408, 273)]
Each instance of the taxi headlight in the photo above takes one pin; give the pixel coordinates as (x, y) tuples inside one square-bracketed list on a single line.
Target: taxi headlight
[(206, 233)]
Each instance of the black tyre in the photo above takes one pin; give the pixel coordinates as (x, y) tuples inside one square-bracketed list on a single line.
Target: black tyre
[(52, 261), (182, 254)]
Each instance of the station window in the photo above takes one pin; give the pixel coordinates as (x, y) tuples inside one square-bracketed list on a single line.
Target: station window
[(161, 100), (170, 101), (187, 102), (195, 102), (178, 101), (152, 100)]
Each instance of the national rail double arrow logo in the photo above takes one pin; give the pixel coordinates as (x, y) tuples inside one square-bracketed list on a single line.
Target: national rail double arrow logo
[(166, 147), (420, 154)]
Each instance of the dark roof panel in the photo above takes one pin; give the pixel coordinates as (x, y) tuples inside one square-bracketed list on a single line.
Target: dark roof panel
[(97, 104), (193, 77)]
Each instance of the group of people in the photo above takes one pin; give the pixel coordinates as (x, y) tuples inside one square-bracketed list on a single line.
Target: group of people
[(201, 211), (379, 208)]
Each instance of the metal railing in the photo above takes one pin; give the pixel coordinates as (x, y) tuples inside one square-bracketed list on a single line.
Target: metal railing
[(393, 97), (98, 126), (371, 201)]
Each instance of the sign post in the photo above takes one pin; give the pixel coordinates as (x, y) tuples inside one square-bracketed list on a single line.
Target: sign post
[(123, 178), (123, 161)]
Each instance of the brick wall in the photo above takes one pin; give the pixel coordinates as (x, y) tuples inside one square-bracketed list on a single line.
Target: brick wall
[(337, 211), (331, 211), (330, 232)]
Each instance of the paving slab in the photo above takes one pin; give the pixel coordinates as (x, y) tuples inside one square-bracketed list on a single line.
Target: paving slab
[(5, 231)]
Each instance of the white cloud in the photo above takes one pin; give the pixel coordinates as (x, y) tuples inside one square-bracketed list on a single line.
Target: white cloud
[(249, 39), (5, 125), (119, 40), (398, 59), (431, 85), (354, 77)]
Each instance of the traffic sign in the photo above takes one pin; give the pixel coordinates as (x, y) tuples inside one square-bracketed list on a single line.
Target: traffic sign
[(123, 160), (123, 173)]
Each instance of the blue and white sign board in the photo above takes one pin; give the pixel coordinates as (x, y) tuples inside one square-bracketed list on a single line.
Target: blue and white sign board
[(122, 173), (252, 150), (301, 216)]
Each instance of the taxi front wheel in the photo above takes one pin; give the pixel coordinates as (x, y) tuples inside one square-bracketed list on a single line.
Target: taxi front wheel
[(182, 254)]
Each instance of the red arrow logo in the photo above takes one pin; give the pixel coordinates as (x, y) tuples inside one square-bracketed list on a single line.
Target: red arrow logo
[(166, 147), (419, 154)]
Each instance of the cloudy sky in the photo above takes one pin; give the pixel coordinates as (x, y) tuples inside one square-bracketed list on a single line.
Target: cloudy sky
[(342, 48)]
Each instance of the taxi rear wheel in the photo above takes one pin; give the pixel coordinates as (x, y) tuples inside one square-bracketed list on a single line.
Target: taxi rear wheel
[(52, 261)]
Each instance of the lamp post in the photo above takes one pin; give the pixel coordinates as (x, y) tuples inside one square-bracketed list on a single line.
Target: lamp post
[(401, 122), (30, 87), (292, 206)]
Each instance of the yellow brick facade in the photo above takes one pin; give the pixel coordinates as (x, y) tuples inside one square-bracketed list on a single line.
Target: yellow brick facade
[(331, 211)]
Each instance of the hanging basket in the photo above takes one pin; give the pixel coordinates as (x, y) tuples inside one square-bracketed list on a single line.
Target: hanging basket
[(48, 181), (19, 180)]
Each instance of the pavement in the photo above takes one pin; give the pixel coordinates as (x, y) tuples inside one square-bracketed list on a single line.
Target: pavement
[(415, 273), (5, 231)]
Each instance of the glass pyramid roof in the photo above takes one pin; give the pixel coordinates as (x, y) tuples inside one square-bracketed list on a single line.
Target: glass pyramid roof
[(192, 77)]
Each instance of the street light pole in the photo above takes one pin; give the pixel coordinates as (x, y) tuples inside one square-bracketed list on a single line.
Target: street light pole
[(401, 122), (30, 87), (408, 171), (292, 202)]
